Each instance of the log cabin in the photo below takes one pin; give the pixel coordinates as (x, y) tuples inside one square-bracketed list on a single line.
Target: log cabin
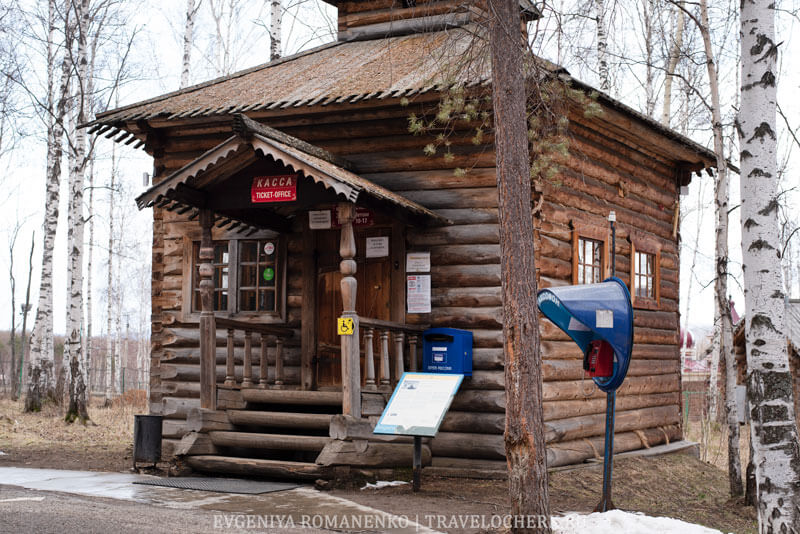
[(292, 193)]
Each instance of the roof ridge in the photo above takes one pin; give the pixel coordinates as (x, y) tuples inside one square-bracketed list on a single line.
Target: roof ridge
[(215, 81)]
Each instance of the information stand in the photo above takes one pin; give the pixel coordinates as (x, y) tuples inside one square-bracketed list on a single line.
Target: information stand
[(417, 408)]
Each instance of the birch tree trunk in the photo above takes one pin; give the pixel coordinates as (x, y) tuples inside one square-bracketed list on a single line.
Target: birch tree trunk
[(721, 195), (188, 41), (274, 29), (769, 389), (76, 409), (42, 355), (524, 435), (672, 64), (87, 349), (110, 368), (26, 308), (602, 45)]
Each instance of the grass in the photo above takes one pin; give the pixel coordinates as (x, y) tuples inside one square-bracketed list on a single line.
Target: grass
[(45, 438)]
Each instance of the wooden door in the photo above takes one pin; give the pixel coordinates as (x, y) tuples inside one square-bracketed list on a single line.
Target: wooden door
[(373, 294)]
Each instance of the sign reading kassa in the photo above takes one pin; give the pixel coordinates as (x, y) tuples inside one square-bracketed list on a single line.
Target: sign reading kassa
[(281, 188)]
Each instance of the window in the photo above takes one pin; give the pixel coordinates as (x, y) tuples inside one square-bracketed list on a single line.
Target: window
[(645, 271), (248, 276), (257, 275), (645, 275), (589, 253), (590, 261)]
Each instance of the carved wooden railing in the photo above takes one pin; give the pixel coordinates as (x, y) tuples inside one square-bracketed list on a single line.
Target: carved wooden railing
[(268, 333), (400, 334)]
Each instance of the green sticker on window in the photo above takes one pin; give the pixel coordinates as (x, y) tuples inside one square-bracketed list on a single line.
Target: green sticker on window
[(269, 274)]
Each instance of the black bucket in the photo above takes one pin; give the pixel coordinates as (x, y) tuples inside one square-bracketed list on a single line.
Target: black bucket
[(147, 438)]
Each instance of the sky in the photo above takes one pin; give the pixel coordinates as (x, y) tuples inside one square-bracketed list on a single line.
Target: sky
[(155, 67)]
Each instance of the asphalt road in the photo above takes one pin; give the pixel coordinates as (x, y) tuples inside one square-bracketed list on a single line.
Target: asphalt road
[(33, 511)]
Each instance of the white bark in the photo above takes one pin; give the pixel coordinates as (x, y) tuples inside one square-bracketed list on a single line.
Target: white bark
[(672, 64), (188, 41), (75, 319), (769, 390), (695, 247), (110, 366), (721, 195), (602, 45), (275, 29), (42, 356)]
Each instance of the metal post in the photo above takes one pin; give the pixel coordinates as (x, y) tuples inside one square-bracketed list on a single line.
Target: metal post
[(417, 472), (611, 397)]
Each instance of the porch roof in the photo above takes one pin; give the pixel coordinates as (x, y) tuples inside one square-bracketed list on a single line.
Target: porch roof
[(184, 189)]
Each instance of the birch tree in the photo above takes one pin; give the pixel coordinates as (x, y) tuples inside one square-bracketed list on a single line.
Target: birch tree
[(672, 63), (42, 355), (274, 29), (524, 435), (76, 410), (602, 45), (188, 40), (773, 430)]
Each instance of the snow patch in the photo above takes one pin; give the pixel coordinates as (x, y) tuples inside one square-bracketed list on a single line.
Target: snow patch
[(383, 484), (2, 453), (619, 522)]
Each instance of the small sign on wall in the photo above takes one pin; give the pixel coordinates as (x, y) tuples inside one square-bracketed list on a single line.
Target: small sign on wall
[(418, 290), (377, 247), (281, 188), (418, 262), (319, 219)]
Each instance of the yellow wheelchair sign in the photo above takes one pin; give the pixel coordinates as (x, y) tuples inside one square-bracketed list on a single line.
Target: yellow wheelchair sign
[(345, 326)]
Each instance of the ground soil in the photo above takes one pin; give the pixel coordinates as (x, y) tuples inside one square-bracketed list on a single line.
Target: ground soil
[(678, 486)]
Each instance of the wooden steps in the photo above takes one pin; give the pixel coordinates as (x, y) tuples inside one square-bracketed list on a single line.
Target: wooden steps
[(252, 440), (252, 467), (292, 396), (280, 419)]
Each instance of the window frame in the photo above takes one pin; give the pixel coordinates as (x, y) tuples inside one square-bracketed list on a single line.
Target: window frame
[(594, 233), (190, 314), (645, 245)]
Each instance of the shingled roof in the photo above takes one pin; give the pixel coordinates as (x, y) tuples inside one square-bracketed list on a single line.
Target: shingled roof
[(336, 72), (348, 72)]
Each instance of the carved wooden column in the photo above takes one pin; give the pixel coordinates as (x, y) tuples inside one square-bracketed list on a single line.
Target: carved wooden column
[(412, 352), (399, 338), (230, 363), (351, 365), (279, 363), (208, 331), (264, 363), (385, 373), (369, 361), (247, 373)]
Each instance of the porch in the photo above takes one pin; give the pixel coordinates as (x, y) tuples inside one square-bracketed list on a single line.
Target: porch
[(282, 392)]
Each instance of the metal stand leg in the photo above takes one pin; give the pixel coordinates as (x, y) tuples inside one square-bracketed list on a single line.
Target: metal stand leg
[(417, 473), (608, 455)]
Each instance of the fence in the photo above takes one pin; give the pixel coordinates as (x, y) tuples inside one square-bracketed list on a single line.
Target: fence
[(128, 378)]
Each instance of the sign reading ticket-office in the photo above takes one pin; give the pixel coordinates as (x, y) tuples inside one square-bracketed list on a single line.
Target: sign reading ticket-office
[(281, 188), (418, 404)]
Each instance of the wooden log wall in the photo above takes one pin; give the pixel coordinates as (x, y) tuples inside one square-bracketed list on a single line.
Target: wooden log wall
[(602, 174)]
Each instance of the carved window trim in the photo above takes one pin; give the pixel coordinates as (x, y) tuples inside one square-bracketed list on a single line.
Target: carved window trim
[(581, 231), (190, 313), (646, 245)]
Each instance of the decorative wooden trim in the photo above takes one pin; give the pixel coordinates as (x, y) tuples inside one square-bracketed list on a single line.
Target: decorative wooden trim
[(596, 232), (649, 245)]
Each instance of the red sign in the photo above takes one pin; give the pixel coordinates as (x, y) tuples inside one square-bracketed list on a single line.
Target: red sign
[(364, 217), (274, 188)]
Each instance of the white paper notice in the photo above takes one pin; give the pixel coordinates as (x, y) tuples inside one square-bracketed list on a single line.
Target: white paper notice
[(377, 247), (419, 293), (604, 318), (319, 220), (418, 262)]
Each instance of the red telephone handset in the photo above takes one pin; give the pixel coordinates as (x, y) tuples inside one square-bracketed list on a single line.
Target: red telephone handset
[(599, 359)]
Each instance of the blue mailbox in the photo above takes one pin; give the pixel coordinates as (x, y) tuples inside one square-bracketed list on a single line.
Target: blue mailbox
[(447, 350), (595, 312)]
